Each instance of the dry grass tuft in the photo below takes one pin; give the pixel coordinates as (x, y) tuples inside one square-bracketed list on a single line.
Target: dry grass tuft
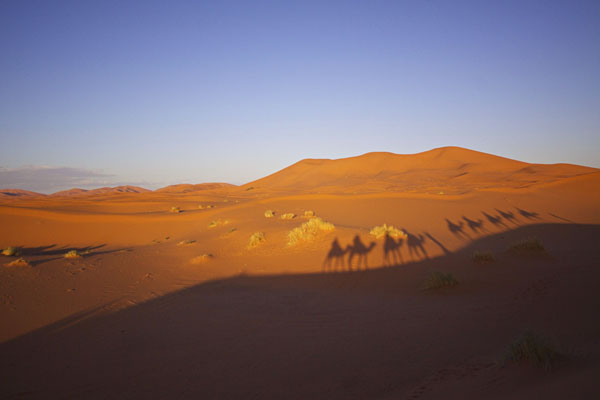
[(201, 259), (482, 258), (308, 231), (218, 222), (438, 280), (528, 246), (288, 216), (72, 254), (20, 262), (175, 210), (309, 214), (256, 239), (380, 231), (533, 349), (10, 251), (186, 242), (269, 214)]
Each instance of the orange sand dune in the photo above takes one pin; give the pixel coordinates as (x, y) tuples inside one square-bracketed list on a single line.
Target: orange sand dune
[(169, 304)]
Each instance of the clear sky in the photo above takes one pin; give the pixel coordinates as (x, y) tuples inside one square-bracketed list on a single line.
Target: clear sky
[(152, 93)]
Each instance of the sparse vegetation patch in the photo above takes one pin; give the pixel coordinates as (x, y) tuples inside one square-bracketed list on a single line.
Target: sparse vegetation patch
[(19, 262), (533, 349), (288, 216), (528, 246), (269, 214), (482, 257), (218, 222), (72, 254), (380, 231), (309, 214), (439, 280), (175, 210), (201, 259), (186, 242), (10, 251), (256, 239), (309, 230)]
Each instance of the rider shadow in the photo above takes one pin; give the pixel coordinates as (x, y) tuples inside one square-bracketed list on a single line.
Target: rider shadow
[(358, 248), (509, 216), (335, 257)]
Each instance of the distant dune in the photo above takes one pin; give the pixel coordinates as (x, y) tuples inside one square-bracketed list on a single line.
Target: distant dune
[(452, 169), (187, 188), (17, 193)]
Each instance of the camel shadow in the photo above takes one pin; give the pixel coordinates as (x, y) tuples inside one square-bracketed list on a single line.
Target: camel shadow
[(495, 220), (359, 249), (415, 246), (509, 216), (392, 247), (457, 230), (529, 214), (335, 257), (475, 226)]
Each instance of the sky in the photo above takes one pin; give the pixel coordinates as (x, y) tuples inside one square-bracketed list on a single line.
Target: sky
[(152, 93)]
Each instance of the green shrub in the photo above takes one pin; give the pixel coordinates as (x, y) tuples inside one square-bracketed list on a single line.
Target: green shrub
[(439, 280), (380, 232), (309, 230), (533, 349)]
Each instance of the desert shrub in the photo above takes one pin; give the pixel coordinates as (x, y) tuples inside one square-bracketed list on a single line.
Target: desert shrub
[(201, 259), (233, 230), (10, 251), (210, 206), (528, 246), (72, 254), (175, 210), (439, 280), (218, 222), (256, 239), (380, 232), (482, 258), (269, 214), (288, 216), (309, 230), (533, 349), (186, 242), (200, 206), (309, 214), (19, 262)]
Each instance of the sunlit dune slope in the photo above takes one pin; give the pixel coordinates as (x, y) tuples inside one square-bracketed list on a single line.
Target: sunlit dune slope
[(18, 193), (447, 169)]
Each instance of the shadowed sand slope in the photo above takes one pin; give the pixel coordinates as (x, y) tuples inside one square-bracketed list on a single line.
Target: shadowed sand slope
[(449, 169), (347, 335)]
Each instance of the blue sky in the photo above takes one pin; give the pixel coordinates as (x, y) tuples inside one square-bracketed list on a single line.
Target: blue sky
[(155, 93)]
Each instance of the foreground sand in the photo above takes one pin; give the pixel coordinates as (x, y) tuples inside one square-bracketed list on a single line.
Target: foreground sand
[(135, 318)]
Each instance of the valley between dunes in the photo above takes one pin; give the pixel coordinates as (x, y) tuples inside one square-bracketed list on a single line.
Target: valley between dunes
[(141, 314)]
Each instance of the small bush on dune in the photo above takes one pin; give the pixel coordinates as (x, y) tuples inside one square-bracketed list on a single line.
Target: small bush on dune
[(439, 280), (20, 262), (528, 246), (533, 349), (201, 207), (288, 216), (308, 231), (175, 210), (256, 239), (309, 214), (482, 258), (380, 232), (269, 214), (72, 254), (201, 259), (218, 222), (186, 242), (10, 251)]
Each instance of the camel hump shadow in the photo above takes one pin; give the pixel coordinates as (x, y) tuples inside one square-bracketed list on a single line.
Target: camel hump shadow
[(475, 225), (391, 250), (359, 249), (457, 230), (415, 245)]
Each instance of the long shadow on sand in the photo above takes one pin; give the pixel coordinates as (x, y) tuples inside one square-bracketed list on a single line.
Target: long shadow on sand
[(366, 334), (43, 254)]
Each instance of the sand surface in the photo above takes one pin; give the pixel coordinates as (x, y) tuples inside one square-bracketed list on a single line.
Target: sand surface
[(164, 304)]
